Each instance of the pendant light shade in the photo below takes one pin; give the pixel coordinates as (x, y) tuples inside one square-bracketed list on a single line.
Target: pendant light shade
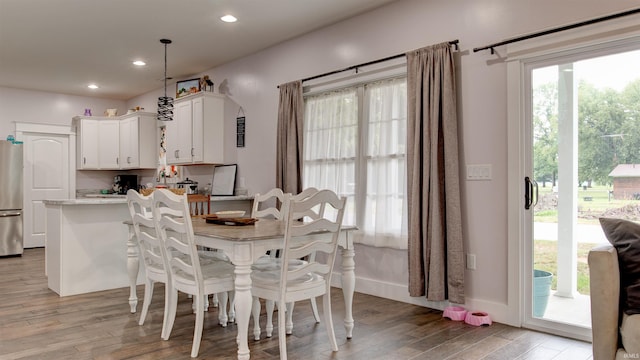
[(165, 103)]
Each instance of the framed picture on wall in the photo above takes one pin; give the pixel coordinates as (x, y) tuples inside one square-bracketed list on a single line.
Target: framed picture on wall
[(187, 87)]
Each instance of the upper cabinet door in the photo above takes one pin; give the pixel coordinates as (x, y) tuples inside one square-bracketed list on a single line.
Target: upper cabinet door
[(109, 144), (179, 135), (214, 134), (129, 154), (88, 155), (197, 134)]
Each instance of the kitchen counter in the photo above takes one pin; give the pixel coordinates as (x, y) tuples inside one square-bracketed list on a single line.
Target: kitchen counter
[(87, 201), (87, 243), (121, 199)]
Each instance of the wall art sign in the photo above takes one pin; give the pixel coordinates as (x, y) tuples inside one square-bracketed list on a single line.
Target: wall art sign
[(240, 129)]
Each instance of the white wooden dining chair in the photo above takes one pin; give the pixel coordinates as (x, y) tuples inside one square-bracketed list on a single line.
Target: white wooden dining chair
[(313, 278), (186, 273), (268, 204), (310, 214), (150, 250), (200, 205), (314, 213), (271, 204), (279, 213)]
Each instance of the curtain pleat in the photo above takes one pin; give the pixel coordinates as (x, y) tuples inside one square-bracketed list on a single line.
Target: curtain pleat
[(435, 249), (289, 143)]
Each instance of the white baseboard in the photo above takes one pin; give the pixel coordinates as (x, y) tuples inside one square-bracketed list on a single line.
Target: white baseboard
[(399, 292)]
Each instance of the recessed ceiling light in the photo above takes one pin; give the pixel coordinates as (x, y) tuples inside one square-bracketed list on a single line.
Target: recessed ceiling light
[(92, 86), (229, 18), (139, 63)]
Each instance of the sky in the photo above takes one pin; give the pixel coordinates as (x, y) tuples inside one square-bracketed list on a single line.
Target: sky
[(613, 71)]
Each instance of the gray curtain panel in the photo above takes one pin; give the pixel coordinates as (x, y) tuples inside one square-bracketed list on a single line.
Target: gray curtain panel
[(435, 250), (289, 154)]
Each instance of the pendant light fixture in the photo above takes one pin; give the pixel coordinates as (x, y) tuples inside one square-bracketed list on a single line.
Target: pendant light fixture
[(165, 103)]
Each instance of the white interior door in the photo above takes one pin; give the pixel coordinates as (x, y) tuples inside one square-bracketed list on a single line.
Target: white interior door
[(46, 177)]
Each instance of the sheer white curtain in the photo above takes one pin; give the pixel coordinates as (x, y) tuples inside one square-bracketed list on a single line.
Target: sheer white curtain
[(354, 144), (330, 144), (385, 211)]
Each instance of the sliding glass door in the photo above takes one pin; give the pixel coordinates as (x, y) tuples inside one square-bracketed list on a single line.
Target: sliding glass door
[(583, 131)]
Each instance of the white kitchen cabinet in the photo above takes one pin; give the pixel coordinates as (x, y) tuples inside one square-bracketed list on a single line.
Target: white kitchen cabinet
[(198, 116), (138, 142), (87, 144), (179, 134), (98, 144), (124, 142), (108, 144), (197, 133), (129, 158)]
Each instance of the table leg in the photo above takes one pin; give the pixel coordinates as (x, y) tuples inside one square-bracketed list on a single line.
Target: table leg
[(243, 307), (348, 288), (133, 265)]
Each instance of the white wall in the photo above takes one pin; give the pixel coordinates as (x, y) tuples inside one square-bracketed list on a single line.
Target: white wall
[(394, 29), (48, 108)]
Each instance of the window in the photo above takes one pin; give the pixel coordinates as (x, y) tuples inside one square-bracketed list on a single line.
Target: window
[(354, 144)]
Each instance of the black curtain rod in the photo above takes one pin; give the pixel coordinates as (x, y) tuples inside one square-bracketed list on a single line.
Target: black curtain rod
[(453, 42), (558, 29)]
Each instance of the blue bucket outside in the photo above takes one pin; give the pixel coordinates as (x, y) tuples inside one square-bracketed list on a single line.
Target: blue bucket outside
[(541, 291)]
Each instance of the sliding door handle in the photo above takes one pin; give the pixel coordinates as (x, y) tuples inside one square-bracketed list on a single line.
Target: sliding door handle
[(528, 193)]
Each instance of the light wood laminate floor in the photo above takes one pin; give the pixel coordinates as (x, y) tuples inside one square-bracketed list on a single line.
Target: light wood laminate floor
[(37, 324)]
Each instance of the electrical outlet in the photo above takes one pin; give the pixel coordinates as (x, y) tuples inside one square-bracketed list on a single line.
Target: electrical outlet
[(471, 261), (479, 172)]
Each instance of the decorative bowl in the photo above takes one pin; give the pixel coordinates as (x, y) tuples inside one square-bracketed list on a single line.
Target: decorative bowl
[(229, 214)]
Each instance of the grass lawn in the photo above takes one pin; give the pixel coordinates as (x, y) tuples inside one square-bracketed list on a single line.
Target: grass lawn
[(592, 202), (545, 255)]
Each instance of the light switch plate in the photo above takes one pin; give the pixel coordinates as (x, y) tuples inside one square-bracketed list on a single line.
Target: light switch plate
[(479, 172), (471, 261)]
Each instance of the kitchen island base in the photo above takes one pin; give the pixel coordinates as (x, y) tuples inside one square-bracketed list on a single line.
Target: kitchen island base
[(85, 248)]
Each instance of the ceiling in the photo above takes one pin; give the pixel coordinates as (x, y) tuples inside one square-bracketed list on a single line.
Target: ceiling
[(62, 46)]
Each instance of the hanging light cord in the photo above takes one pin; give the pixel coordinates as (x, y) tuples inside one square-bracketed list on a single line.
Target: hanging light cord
[(165, 66)]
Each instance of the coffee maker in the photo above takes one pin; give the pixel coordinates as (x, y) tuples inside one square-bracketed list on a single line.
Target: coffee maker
[(122, 183)]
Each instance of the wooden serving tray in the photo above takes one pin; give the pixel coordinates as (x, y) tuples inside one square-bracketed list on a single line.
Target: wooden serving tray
[(229, 221)]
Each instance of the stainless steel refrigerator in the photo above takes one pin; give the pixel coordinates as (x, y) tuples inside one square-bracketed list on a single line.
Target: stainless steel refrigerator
[(11, 236)]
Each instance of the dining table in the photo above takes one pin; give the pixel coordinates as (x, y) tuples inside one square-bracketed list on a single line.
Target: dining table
[(244, 244)]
